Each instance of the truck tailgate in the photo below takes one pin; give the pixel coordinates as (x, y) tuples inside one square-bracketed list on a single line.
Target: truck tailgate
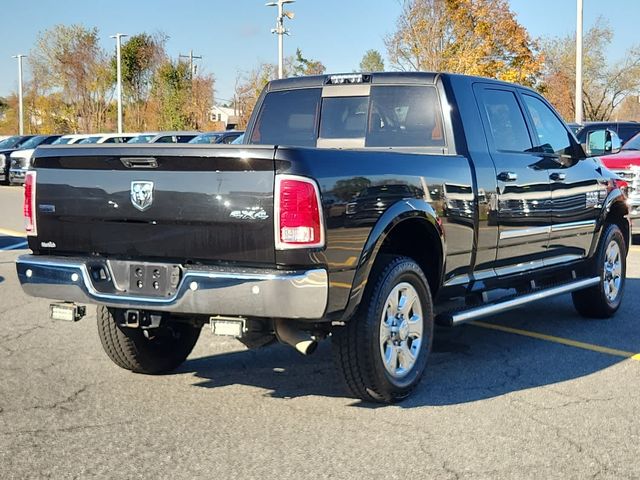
[(185, 203)]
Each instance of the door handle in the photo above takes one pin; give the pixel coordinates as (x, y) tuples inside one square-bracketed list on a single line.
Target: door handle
[(507, 176), (558, 177)]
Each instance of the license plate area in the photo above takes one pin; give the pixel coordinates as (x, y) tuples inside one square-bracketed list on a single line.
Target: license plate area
[(153, 279), (228, 326)]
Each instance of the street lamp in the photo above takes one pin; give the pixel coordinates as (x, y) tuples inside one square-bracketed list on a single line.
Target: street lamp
[(280, 30), (118, 37), (20, 100), (579, 26)]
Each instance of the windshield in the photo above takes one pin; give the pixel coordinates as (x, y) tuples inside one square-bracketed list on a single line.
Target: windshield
[(90, 140), (205, 138), (141, 139), (62, 141), (238, 140), (33, 142), (10, 142), (633, 144)]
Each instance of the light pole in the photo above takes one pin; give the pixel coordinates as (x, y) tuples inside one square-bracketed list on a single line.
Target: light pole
[(20, 100), (118, 37), (280, 30), (579, 26)]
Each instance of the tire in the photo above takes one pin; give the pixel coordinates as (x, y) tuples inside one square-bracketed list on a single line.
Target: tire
[(373, 353), (603, 300), (130, 349)]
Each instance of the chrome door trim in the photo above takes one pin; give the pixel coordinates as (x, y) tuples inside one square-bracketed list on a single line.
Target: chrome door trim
[(560, 227), (586, 224), (524, 232)]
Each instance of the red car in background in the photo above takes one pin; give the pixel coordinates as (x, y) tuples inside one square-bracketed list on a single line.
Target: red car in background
[(626, 163)]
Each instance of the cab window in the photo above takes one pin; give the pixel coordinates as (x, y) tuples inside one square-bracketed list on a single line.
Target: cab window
[(552, 135), (507, 125)]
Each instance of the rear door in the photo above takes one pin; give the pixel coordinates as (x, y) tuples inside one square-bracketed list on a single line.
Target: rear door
[(577, 189), (524, 192)]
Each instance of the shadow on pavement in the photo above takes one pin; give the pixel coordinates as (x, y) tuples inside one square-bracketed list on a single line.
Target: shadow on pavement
[(12, 243), (468, 363), (1, 279)]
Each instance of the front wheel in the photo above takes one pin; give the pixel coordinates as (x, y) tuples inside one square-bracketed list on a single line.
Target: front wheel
[(603, 300), (382, 351), (163, 350)]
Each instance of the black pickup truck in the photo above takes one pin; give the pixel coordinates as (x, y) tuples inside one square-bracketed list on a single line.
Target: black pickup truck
[(364, 207)]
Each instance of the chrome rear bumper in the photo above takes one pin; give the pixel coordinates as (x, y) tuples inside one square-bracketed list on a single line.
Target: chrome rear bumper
[(210, 291)]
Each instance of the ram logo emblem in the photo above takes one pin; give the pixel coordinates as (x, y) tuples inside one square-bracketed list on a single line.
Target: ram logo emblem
[(141, 194)]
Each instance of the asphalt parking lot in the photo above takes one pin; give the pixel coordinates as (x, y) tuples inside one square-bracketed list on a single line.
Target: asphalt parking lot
[(535, 393)]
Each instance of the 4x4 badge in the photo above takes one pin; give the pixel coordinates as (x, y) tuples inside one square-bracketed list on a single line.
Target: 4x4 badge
[(141, 194)]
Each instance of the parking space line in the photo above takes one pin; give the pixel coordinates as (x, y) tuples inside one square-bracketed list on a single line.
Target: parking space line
[(11, 233), (563, 341), (15, 246)]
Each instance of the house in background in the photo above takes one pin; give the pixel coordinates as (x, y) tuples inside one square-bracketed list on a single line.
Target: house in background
[(224, 115)]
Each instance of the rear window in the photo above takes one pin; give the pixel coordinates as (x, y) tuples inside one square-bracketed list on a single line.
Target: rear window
[(405, 117), (391, 116), (288, 118), (344, 117)]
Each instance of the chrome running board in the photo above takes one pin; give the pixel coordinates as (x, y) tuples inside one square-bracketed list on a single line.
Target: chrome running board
[(462, 316)]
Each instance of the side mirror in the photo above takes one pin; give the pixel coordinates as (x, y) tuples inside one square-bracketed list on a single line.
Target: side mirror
[(602, 142)]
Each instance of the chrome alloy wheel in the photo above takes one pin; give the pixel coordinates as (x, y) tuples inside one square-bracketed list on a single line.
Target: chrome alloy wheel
[(612, 271), (401, 329)]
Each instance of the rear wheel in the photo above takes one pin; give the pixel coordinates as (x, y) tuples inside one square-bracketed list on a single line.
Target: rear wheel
[(382, 351), (603, 299), (163, 350)]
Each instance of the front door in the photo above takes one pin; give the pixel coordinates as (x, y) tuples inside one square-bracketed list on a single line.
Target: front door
[(524, 192), (577, 185)]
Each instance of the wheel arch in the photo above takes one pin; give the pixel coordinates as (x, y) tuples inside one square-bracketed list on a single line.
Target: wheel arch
[(615, 211), (389, 235)]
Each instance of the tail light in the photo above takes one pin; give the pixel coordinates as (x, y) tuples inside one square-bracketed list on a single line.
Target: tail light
[(29, 207), (298, 217)]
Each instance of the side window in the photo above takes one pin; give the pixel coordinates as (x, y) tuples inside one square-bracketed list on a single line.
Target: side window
[(552, 134), (288, 117), (506, 121), (405, 116)]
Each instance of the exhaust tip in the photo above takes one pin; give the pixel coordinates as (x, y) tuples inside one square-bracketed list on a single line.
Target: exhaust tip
[(287, 333), (306, 347)]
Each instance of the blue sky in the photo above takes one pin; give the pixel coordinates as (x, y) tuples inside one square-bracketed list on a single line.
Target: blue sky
[(234, 35)]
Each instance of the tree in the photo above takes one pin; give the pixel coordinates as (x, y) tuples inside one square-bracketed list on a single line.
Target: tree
[(69, 60), (141, 55), (201, 101), (170, 93), (476, 37), (248, 88), (9, 115), (179, 101), (372, 62), (605, 86), (301, 66)]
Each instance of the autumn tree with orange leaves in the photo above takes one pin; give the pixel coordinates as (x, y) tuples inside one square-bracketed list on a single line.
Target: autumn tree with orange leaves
[(474, 37)]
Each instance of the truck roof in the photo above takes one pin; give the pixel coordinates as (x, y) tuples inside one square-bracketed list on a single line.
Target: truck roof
[(376, 78)]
